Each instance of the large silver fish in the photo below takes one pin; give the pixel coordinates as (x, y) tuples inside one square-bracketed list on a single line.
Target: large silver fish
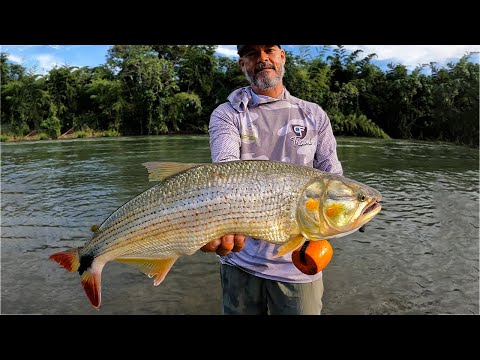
[(279, 202)]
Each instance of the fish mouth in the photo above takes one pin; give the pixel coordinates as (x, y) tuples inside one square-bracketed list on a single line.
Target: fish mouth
[(371, 210)]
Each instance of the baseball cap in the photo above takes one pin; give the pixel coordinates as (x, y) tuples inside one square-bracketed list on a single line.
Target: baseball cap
[(240, 49)]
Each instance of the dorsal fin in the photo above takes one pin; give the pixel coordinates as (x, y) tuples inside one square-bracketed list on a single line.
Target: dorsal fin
[(158, 171)]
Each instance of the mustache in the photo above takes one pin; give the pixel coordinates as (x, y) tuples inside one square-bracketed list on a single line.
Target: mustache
[(264, 65)]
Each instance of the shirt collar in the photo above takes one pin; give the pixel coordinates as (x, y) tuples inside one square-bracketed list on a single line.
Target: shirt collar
[(264, 99), (243, 98)]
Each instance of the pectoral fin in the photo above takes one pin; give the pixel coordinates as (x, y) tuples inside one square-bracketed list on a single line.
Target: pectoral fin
[(151, 267), (158, 171), (292, 244)]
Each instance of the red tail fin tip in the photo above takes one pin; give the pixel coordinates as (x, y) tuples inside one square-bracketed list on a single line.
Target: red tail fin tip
[(91, 285), (69, 259)]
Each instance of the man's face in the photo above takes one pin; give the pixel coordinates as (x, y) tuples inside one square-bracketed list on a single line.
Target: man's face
[(263, 65)]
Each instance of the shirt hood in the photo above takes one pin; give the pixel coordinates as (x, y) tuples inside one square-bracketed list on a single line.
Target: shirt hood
[(243, 98)]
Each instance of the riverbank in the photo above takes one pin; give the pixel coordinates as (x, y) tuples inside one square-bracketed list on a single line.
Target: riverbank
[(36, 136)]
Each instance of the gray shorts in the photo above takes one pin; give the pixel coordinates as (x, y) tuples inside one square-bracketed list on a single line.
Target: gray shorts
[(246, 294)]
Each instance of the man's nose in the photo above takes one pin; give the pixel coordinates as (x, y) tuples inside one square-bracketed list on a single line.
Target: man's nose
[(262, 57)]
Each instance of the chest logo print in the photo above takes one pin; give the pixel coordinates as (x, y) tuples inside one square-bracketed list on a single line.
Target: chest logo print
[(300, 132)]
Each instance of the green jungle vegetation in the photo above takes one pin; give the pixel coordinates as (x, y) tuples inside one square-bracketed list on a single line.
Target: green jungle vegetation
[(172, 89)]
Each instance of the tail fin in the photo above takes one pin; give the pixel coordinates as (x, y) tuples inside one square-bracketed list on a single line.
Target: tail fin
[(91, 281), (69, 259), (90, 273)]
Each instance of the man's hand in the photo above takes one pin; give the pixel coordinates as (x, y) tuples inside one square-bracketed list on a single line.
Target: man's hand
[(225, 244)]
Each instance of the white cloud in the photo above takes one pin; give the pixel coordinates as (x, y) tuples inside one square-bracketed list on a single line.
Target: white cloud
[(44, 57), (414, 55), (409, 55), (16, 59), (34, 57), (46, 62), (227, 50)]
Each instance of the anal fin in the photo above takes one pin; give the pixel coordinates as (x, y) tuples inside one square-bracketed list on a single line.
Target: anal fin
[(295, 242), (151, 267)]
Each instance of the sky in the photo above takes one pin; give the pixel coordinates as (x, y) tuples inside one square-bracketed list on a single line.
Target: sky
[(42, 58)]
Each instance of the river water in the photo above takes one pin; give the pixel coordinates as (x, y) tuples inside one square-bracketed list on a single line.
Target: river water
[(419, 255)]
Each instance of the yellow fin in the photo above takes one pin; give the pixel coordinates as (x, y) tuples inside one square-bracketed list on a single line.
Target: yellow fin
[(151, 267), (158, 171), (292, 244)]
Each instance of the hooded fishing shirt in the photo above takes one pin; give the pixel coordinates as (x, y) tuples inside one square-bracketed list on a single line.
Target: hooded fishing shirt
[(257, 127)]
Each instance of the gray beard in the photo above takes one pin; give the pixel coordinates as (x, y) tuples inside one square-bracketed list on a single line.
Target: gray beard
[(264, 82)]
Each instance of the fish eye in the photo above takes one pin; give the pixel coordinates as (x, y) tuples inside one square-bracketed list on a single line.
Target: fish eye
[(361, 197)]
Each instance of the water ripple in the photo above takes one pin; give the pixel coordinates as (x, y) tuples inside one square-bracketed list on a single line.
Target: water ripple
[(419, 255)]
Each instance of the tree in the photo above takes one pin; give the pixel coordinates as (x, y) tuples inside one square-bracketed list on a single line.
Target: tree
[(148, 82)]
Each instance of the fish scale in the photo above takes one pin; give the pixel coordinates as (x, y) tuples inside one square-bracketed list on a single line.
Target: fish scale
[(180, 216)]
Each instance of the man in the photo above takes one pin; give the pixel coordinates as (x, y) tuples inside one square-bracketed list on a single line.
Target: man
[(263, 121)]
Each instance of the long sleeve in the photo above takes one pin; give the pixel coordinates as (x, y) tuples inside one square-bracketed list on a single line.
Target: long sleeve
[(326, 154), (224, 136)]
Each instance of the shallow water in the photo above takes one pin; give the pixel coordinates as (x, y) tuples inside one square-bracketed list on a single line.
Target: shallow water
[(419, 255)]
